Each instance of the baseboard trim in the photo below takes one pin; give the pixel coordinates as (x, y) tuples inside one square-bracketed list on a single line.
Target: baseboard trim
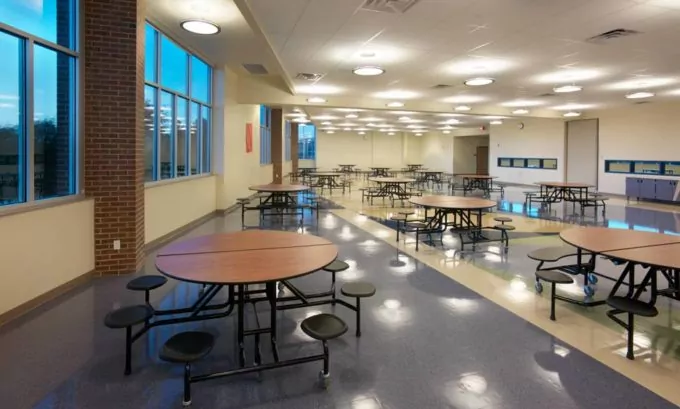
[(168, 237), (30, 305)]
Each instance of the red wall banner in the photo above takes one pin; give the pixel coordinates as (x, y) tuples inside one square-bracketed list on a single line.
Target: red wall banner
[(249, 137)]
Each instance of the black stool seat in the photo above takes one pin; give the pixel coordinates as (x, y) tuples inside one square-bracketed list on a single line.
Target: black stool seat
[(323, 327), (504, 227), (407, 212), (632, 306), (554, 276), (128, 316), (243, 200), (187, 347), (358, 290), (146, 283), (336, 266), (502, 219)]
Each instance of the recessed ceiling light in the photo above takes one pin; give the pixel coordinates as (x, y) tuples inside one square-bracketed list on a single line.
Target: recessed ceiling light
[(572, 107), (371, 119), (520, 111), (351, 116), (390, 133), (362, 133), (316, 100), (416, 126), (449, 121), (330, 131), (567, 88), (395, 104), (447, 132), (522, 103), (348, 109), (403, 112), (462, 108), (202, 27), (463, 99), (640, 95), (404, 118), (347, 129), (451, 115), (419, 134), (317, 89), (324, 117), (396, 94), (496, 122), (478, 82), (572, 114), (367, 54), (368, 71), (326, 123)]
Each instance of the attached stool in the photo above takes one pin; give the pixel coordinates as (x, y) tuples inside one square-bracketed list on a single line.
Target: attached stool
[(553, 277), (358, 290), (504, 228), (324, 327), (243, 201), (399, 218), (127, 317), (185, 348), (632, 307), (335, 267), (502, 219), (146, 284)]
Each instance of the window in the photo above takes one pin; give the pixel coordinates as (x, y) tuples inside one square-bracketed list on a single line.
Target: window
[(528, 163), (178, 110), (265, 135), (287, 141), (306, 141), (38, 89), (642, 167)]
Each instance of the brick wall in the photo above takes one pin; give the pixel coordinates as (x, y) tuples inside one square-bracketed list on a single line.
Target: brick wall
[(277, 145), (114, 130)]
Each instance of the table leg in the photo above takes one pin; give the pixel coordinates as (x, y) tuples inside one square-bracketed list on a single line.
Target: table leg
[(271, 295), (241, 321)]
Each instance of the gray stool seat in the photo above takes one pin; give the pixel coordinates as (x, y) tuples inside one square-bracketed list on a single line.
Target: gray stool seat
[(398, 217), (553, 254), (128, 316), (407, 212), (632, 306), (243, 200), (323, 327), (358, 290), (187, 347), (502, 219), (505, 227), (554, 276), (146, 283), (336, 266)]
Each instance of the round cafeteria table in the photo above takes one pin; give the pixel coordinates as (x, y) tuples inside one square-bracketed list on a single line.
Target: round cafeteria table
[(242, 258), (279, 194), (380, 171), (655, 251), (392, 187), (477, 182), (567, 191), (466, 211), (327, 179)]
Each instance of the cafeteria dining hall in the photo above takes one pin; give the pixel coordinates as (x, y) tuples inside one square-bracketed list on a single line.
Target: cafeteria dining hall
[(340, 204)]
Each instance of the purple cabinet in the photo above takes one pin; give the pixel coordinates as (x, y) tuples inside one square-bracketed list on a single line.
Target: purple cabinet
[(633, 187), (665, 189), (647, 188), (652, 189)]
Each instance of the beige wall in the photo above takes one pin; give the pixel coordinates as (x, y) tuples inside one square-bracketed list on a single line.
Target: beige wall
[(43, 249), (169, 206), (638, 132), (540, 138), (364, 151), (465, 152)]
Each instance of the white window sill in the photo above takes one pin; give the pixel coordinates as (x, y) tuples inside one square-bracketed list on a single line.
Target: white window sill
[(165, 182), (11, 210)]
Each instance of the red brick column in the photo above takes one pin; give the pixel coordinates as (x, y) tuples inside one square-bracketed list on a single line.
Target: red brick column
[(294, 152), (114, 130), (277, 145)]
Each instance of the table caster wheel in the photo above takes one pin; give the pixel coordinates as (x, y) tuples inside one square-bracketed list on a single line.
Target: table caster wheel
[(589, 291), (324, 380), (539, 287), (281, 286), (592, 279)]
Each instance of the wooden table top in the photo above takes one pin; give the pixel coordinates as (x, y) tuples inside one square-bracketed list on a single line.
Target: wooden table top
[(602, 239), (273, 188), (452, 202), (246, 257), (332, 174), (392, 180), (575, 185), (667, 256)]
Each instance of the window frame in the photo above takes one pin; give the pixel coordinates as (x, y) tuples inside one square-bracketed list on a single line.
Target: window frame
[(265, 135), (202, 169), (26, 198)]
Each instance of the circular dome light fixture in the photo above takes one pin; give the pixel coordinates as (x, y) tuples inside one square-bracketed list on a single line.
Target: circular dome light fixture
[(330, 131), (572, 114), (347, 129), (368, 71), (202, 27), (395, 104), (351, 116), (447, 132), (362, 133), (567, 88), (390, 133), (478, 82), (462, 108), (520, 111), (640, 95), (496, 122), (419, 134), (316, 100)]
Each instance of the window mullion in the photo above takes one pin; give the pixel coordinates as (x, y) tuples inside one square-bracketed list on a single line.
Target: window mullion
[(29, 146)]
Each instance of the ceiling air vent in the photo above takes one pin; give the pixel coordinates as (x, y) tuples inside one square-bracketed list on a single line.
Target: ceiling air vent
[(256, 69), (441, 86), (611, 35), (308, 76), (388, 6)]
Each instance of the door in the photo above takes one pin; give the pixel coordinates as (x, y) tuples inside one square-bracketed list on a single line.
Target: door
[(582, 145), (482, 160)]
